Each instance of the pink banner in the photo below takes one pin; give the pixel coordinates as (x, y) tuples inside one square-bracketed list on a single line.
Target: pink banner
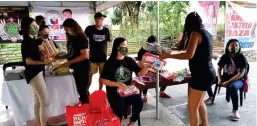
[(208, 10)]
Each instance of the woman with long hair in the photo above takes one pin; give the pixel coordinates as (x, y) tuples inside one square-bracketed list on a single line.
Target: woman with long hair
[(117, 74), (235, 67), (34, 64), (78, 57), (199, 53)]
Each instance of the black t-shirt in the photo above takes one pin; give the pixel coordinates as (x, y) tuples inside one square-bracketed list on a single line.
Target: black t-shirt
[(229, 70), (74, 45), (119, 71), (98, 43), (30, 49)]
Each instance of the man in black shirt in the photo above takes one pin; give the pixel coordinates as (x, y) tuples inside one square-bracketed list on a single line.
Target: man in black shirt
[(98, 36)]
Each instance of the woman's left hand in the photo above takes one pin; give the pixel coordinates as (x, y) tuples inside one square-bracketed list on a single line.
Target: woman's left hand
[(66, 64), (224, 84)]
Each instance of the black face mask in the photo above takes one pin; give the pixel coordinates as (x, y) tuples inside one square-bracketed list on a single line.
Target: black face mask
[(45, 36)]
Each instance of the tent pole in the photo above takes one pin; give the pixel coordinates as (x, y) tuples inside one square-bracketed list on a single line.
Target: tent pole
[(157, 71)]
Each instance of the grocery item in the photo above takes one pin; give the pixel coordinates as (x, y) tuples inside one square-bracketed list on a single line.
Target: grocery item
[(153, 59), (131, 90), (48, 49), (155, 48)]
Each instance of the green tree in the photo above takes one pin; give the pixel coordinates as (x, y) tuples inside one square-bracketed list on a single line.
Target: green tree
[(172, 15)]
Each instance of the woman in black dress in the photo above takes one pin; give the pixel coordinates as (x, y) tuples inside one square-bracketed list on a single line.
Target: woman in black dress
[(199, 53)]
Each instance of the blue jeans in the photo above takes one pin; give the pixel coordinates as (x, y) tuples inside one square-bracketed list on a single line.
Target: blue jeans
[(232, 90)]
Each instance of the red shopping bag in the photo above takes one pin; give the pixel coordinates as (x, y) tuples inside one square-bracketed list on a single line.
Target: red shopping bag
[(100, 110), (78, 115), (98, 99), (105, 118)]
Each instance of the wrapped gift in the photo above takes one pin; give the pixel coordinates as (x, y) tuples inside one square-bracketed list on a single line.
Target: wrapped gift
[(153, 59), (155, 48), (48, 49), (167, 75), (131, 90)]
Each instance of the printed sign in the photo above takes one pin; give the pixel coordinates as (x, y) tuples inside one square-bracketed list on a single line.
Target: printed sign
[(10, 20), (241, 26), (55, 16)]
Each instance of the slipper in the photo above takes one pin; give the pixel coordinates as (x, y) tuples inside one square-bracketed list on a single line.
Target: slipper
[(235, 117)]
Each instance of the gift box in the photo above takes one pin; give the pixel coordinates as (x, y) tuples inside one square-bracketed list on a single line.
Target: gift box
[(48, 49), (131, 90), (153, 59)]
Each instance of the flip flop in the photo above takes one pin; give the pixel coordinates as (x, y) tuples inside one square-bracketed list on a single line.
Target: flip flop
[(235, 118)]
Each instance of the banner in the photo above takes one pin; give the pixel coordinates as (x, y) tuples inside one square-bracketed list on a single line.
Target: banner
[(241, 25), (208, 10), (55, 16), (10, 20)]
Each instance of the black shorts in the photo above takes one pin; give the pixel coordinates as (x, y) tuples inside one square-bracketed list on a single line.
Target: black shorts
[(202, 81)]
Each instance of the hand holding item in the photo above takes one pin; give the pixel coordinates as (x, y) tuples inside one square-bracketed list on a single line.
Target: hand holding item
[(122, 87), (47, 60), (66, 64)]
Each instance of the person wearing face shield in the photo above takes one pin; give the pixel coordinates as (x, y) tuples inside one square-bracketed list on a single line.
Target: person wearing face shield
[(117, 74), (34, 64), (235, 67), (98, 36), (78, 57)]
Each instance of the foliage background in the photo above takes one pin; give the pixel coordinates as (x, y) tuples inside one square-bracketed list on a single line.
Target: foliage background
[(136, 20)]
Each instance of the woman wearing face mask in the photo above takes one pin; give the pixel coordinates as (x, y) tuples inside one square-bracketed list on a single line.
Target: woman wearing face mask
[(78, 57), (232, 77), (44, 34), (117, 74), (199, 44), (34, 68)]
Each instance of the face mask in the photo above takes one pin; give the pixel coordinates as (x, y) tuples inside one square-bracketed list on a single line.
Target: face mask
[(34, 31), (70, 33), (45, 36), (123, 50), (234, 50)]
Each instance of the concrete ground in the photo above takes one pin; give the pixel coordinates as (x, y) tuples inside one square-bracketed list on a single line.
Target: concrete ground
[(173, 112)]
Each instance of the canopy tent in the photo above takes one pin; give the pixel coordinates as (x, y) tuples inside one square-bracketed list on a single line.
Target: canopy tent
[(96, 6)]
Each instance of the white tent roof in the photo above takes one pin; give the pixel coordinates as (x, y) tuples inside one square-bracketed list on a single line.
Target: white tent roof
[(96, 6)]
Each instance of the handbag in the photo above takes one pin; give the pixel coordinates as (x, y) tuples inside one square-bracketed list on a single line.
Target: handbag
[(245, 78)]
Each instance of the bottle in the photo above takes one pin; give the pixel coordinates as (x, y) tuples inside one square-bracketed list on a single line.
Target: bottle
[(157, 64)]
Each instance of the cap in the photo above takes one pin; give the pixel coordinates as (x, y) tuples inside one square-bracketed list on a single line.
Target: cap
[(98, 14)]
